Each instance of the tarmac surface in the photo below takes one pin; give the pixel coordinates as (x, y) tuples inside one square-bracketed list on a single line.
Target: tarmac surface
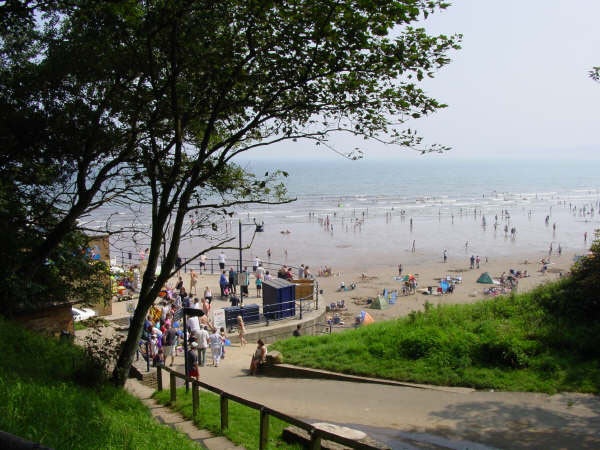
[(408, 416)]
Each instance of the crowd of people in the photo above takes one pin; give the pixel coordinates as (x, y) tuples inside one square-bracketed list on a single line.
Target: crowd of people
[(163, 336)]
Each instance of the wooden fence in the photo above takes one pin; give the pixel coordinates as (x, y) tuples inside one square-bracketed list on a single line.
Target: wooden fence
[(316, 435)]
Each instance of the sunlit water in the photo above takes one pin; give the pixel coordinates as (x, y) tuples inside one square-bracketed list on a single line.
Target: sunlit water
[(378, 210)]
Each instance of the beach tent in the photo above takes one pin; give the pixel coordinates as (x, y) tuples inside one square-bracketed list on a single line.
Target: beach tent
[(379, 303), (365, 318), (485, 278)]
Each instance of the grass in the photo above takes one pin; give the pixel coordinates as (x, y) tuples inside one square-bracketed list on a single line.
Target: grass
[(47, 395), (243, 421), (508, 343)]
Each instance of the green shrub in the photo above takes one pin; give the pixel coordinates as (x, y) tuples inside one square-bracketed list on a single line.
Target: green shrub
[(420, 343)]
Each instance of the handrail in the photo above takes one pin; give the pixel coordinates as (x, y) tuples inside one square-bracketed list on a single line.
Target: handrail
[(316, 435)]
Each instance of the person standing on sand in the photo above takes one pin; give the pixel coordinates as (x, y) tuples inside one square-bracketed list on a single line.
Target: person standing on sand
[(231, 276), (472, 261), (445, 255), (399, 270), (221, 260)]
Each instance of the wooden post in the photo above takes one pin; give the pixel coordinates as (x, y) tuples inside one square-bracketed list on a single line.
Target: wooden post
[(224, 413), (195, 398), (173, 387), (264, 429), (159, 378), (315, 440)]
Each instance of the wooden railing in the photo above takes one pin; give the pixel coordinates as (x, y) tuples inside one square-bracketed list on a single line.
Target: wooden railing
[(316, 434)]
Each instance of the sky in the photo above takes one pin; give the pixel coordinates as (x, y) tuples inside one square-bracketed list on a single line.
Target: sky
[(519, 86)]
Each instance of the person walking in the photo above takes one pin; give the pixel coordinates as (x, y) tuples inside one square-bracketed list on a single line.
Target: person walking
[(258, 286), (223, 284), (193, 282), (231, 276), (169, 343), (192, 361), (241, 331), (208, 295), (215, 342), (202, 337), (224, 341)]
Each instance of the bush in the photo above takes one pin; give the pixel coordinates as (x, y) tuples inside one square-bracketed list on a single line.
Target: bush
[(420, 343)]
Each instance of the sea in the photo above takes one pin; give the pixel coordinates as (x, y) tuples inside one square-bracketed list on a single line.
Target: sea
[(370, 213)]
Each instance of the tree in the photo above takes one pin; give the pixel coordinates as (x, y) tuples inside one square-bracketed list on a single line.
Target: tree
[(185, 87), (266, 72), (64, 143)]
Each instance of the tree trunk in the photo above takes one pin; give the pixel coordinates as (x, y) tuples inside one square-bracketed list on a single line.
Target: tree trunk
[(148, 292), (130, 346)]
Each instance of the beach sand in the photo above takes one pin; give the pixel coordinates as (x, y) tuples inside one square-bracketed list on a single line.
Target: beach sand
[(370, 283)]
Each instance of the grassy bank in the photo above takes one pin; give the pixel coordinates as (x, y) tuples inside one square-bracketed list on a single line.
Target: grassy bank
[(48, 394), (510, 343)]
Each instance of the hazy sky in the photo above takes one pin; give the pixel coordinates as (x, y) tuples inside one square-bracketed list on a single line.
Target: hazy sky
[(519, 86)]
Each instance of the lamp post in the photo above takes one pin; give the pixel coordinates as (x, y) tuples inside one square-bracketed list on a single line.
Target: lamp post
[(259, 228)]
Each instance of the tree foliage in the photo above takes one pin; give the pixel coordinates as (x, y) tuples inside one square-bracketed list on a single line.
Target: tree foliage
[(148, 103)]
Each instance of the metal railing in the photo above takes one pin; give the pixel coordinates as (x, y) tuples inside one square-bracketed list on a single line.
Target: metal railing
[(316, 434)]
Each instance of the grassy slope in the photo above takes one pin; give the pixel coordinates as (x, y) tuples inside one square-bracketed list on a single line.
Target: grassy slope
[(39, 400), (505, 343), (244, 422)]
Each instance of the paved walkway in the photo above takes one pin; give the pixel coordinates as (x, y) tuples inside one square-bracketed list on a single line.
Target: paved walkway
[(431, 417)]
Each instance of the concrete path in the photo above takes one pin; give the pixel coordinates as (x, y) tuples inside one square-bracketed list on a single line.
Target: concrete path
[(419, 417), (450, 417)]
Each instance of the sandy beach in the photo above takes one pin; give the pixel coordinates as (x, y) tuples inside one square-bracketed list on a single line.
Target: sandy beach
[(371, 282)]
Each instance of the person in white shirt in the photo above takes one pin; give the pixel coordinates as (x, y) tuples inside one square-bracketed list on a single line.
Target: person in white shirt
[(193, 325), (256, 264), (202, 337), (260, 272), (222, 260)]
